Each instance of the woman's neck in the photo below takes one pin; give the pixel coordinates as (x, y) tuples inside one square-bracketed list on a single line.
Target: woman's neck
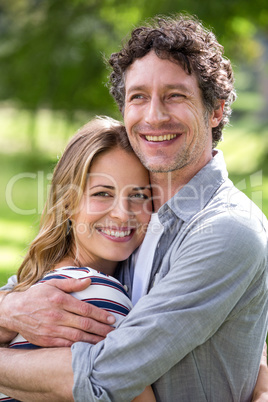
[(109, 269)]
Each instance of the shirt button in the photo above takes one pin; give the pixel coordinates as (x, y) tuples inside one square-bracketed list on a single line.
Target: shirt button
[(126, 288)]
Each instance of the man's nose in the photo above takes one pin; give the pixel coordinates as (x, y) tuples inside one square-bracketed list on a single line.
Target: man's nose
[(156, 112)]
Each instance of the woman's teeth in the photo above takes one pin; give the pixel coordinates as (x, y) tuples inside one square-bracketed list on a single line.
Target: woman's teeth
[(116, 233)]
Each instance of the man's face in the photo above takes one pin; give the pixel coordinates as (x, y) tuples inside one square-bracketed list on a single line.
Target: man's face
[(164, 115)]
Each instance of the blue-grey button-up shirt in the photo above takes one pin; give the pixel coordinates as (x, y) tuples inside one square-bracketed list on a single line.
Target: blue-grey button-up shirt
[(198, 334)]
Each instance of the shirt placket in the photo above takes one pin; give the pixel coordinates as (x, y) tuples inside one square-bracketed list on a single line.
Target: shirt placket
[(172, 225)]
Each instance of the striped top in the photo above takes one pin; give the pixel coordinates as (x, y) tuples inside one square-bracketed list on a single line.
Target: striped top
[(105, 292)]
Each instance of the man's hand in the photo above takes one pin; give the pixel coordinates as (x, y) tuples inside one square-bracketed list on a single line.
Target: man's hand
[(46, 315)]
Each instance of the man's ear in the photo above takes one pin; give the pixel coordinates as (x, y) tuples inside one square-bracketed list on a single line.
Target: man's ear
[(217, 113)]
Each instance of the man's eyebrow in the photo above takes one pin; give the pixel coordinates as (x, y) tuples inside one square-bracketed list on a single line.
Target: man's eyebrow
[(136, 88), (180, 87)]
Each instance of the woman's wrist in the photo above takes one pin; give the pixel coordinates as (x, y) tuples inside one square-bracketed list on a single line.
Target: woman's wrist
[(260, 393)]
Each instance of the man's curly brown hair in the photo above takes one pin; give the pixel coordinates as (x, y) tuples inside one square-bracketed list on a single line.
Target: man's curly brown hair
[(182, 39)]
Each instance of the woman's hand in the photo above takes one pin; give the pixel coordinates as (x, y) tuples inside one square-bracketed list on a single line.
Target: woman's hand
[(261, 389)]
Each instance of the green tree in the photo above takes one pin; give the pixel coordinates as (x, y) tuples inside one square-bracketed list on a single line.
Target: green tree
[(51, 51)]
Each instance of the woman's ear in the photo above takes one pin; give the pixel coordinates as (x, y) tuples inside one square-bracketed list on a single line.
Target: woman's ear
[(69, 226), (217, 113), (67, 211)]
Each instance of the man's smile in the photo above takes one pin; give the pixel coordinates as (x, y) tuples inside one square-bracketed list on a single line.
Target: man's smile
[(160, 138)]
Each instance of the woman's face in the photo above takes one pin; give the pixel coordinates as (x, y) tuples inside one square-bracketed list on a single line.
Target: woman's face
[(114, 210)]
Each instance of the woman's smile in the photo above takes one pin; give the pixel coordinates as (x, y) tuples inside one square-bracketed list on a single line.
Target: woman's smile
[(117, 206)]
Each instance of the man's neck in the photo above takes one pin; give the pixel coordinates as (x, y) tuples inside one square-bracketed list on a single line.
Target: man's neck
[(166, 185)]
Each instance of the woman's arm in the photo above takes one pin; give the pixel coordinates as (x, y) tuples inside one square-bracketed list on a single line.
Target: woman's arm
[(261, 389), (146, 396)]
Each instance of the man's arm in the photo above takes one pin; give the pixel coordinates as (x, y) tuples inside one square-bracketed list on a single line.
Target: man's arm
[(37, 375), (221, 292), (5, 335), (47, 316), (41, 384)]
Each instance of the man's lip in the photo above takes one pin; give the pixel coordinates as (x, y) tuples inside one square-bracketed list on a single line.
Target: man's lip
[(160, 132), (161, 137)]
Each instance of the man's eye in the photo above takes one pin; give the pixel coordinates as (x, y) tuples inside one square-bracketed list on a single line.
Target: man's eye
[(176, 95), (136, 97)]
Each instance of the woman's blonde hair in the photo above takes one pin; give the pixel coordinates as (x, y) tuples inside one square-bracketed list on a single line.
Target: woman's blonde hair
[(55, 240)]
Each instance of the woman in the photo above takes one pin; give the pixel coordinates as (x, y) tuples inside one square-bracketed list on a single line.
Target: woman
[(96, 215), (73, 230)]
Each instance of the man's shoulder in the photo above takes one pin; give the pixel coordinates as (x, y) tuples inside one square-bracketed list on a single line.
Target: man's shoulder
[(232, 218), (232, 205)]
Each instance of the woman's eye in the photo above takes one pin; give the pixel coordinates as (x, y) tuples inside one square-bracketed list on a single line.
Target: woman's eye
[(101, 194), (139, 196)]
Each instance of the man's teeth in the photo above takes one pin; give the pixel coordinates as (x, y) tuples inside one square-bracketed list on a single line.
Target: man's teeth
[(158, 138), (116, 233)]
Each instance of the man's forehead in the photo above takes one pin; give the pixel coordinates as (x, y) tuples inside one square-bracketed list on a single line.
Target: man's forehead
[(163, 71)]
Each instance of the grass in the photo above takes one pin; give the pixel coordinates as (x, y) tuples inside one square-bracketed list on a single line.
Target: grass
[(26, 168)]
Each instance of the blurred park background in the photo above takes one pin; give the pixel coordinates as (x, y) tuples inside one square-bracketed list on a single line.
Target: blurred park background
[(53, 80)]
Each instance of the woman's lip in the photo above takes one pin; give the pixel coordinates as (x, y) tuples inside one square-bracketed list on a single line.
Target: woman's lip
[(115, 234)]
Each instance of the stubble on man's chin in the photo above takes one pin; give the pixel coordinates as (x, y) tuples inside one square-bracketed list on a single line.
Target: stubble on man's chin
[(176, 165)]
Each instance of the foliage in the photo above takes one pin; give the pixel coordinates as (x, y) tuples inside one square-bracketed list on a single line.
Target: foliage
[(51, 51)]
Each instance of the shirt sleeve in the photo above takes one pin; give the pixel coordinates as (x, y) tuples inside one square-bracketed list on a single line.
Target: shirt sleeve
[(11, 283), (214, 271)]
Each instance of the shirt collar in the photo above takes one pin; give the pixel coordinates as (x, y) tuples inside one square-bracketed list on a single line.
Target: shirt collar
[(197, 193)]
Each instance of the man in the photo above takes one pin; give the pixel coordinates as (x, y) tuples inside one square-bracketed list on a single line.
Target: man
[(203, 323)]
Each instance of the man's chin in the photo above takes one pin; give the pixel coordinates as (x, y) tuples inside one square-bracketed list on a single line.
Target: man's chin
[(161, 168)]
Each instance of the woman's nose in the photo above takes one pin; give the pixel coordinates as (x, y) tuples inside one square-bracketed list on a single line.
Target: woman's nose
[(121, 210)]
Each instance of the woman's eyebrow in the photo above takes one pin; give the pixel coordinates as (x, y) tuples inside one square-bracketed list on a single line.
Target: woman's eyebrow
[(136, 188), (102, 185), (142, 188)]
